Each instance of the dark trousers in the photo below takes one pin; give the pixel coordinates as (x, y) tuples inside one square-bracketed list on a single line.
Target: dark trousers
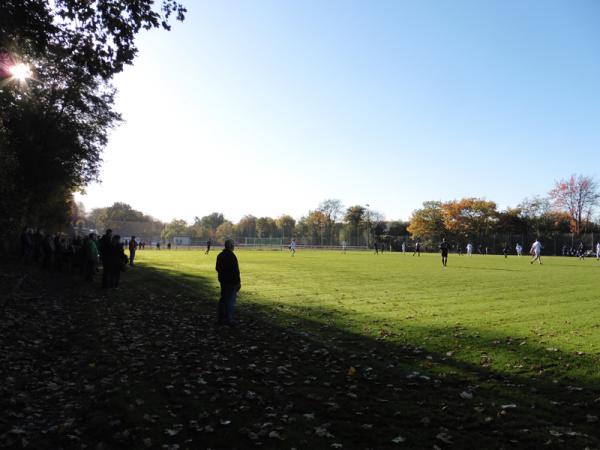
[(114, 276), (131, 257), (105, 274), (89, 268), (226, 306)]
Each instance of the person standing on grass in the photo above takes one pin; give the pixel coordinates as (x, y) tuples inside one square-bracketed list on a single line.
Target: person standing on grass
[(376, 247), (444, 252), (505, 250), (598, 251), (345, 244), (581, 251), (519, 249), (208, 244), (90, 257), (469, 249), (403, 247), (536, 252), (417, 249), (133, 245), (293, 247), (228, 272), (116, 261)]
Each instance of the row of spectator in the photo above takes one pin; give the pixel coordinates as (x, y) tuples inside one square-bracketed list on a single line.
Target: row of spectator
[(78, 254)]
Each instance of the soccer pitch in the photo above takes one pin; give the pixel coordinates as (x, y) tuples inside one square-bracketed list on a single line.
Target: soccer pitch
[(486, 311)]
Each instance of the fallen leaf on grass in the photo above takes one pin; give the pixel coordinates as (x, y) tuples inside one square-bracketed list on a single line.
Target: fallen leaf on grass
[(444, 437)]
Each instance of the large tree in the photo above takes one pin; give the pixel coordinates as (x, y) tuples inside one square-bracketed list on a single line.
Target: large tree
[(124, 220), (211, 221), (265, 227), (224, 231), (354, 216), (177, 227), (246, 227), (317, 223), (427, 221), (577, 196), (332, 209), (54, 127), (470, 216), (285, 225)]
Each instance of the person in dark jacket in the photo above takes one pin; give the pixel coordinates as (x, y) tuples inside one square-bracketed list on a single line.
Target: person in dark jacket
[(229, 277), (115, 261), (133, 245), (444, 247)]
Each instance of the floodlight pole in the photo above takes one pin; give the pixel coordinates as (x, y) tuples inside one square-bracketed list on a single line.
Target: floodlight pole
[(368, 224)]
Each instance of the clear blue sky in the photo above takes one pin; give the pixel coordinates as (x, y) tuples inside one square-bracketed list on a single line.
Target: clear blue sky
[(269, 107)]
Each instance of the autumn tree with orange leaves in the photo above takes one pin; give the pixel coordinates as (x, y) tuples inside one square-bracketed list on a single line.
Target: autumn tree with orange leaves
[(470, 216), (427, 221)]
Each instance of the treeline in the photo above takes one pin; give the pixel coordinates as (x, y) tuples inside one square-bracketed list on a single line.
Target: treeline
[(567, 208), (328, 224)]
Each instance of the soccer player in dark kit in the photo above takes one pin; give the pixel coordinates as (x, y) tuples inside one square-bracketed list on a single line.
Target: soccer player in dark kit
[(444, 251)]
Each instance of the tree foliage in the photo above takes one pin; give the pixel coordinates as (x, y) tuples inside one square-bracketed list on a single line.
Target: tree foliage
[(577, 196), (55, 126), (211, 222), (285, 224), (177, 227), (428, 221), (354, 215), (265, 227), (224, 231), (469, 216), (246, 227)]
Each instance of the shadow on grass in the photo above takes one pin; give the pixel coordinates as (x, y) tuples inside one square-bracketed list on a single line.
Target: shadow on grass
[(517, 393)]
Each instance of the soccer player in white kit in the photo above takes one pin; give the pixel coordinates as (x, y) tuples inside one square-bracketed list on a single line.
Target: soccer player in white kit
[(344, 246), (293, 247), (536, 251), (469, 249), (597, 251), (519, 249)]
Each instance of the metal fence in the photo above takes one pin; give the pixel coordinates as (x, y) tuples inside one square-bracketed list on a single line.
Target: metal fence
[(553, 244)]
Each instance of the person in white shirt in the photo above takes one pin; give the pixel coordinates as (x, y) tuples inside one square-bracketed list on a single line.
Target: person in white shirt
[(293, 247), (344, 246), (519, 249), (403, 246), (598, 251), (469, 249), (536, 251)]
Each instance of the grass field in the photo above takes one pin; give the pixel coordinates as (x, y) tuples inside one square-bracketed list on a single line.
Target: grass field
[(352, 351), (484, 311)]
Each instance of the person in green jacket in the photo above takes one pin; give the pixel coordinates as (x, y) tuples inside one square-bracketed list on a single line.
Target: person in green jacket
[(90, 257)]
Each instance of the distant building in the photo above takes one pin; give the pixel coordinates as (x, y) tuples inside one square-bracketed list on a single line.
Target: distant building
[(182, 240)]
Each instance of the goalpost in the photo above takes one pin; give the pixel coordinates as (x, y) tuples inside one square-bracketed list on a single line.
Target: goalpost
[(272, 243)]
